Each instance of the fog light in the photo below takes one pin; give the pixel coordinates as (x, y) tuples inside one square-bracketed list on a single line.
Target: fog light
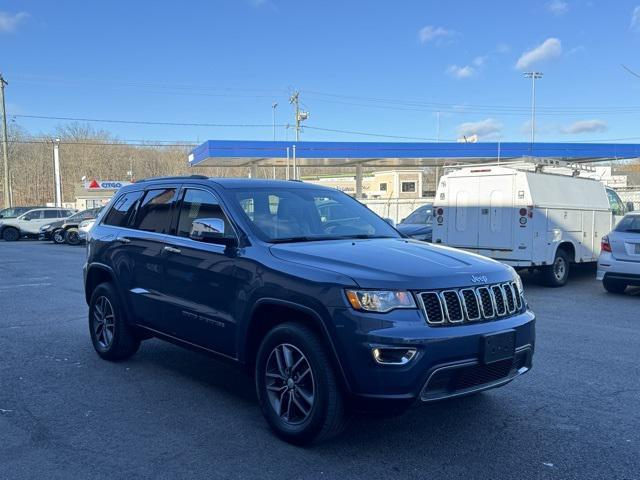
[(393, 355)]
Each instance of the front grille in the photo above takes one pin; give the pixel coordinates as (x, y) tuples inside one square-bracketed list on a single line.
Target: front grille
[(481, 374), (471, 304)]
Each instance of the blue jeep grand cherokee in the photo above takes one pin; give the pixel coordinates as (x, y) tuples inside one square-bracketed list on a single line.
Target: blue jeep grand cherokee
[(326, 304)]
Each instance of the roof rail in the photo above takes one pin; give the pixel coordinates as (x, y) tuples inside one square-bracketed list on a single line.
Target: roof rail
[(537, 164), (175, 177)]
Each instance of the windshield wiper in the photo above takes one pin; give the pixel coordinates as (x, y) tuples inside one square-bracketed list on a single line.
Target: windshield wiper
[(302, 238)]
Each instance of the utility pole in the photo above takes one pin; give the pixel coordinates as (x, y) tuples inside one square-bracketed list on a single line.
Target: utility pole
[(56, 172), (5, 146), (300, 116), (438, 127), (533, 76), (274, 106)]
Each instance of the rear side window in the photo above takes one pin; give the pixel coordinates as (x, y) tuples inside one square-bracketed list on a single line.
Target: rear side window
[(34, 215), (122, 210), (155, 208), (630, 223), (51, 213)]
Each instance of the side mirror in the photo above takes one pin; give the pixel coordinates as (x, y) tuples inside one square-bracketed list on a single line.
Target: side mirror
[(630, 207), (210, 230), (390, 221)]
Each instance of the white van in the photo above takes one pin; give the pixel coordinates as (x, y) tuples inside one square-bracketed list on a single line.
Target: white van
[(524, 217)]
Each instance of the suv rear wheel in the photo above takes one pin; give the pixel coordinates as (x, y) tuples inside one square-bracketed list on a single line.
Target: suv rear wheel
[(557, 274), (613, 286), (111, 335), (10, 234), (297, 387)]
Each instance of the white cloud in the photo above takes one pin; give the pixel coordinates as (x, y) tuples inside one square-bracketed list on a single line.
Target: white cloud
[(480, 60), (461, 72), (558, 7), (635, 19), (585, 126), (548, 49), (484, 128), (9, 22), (435, 34)]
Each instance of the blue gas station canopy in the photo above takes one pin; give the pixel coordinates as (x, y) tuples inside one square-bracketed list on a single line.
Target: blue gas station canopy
[(232, 153)]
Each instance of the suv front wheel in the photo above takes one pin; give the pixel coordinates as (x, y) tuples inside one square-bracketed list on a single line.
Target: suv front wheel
[(111, 335), (297, 387)]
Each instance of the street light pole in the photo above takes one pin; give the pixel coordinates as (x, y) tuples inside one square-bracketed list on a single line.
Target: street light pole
[(56, 172), (533, 76)]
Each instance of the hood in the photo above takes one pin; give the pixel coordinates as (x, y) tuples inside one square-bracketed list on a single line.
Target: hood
[(395, 263), (414, 228), (56, 224)]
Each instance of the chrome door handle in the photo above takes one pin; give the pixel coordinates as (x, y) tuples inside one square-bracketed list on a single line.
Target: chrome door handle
[(123, 239), (172, 250)]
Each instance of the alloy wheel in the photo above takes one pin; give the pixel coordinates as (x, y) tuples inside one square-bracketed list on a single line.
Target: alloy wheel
[(103, 322), (290, 384)]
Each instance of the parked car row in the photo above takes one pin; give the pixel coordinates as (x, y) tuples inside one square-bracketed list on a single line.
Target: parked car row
[(60, 225)]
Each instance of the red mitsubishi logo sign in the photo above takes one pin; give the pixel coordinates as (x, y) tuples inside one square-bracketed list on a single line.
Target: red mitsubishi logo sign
[(94, 184)]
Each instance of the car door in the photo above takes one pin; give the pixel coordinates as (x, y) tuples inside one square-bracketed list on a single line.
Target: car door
[(31, 221), (142, 242), (199, 282)]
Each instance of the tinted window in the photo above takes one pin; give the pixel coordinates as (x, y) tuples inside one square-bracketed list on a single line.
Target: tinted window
[(122, 210), (198, 204), (34, 215), (51, 213), (154, 210), (630, 223), (279, 214)]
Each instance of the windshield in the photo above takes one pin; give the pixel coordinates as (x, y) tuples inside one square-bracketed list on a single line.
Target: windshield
[(281, 215), (420, 216)]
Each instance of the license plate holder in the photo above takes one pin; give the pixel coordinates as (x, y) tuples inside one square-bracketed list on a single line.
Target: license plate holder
[(498, 346)]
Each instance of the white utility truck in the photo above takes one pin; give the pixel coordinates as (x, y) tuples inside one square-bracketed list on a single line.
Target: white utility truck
[(528, 215)]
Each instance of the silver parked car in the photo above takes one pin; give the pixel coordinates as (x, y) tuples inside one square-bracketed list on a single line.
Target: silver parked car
[(619, 262)]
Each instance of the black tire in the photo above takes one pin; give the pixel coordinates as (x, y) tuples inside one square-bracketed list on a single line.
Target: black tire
[(614, 286), (11, 234), (119, 341), (58, 236), (71, 237), (326, 416), (557, 274)]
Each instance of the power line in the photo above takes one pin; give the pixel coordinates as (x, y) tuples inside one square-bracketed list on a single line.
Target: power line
[(146, 122)]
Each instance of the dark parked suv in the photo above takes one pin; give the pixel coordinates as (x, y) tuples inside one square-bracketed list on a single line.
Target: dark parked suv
[(329, 316)]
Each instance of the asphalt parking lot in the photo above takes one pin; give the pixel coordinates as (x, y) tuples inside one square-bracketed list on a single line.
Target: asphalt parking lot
[(171, 413)]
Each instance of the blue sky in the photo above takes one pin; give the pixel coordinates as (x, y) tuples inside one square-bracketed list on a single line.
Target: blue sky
[(376, 67)]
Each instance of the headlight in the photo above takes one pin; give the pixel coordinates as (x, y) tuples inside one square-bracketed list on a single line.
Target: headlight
[(518, 280), (380, 301)]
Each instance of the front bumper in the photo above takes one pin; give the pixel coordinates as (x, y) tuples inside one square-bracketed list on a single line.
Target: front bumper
[(448, 360)]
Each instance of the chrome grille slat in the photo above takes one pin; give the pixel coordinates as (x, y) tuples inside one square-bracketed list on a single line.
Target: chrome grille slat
[(470, 304)]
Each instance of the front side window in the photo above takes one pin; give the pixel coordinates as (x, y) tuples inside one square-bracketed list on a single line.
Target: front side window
[(307, 214), (408, 187), (153, 214), (51, 213), (617, 208), (199, 204), (123, 209)]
